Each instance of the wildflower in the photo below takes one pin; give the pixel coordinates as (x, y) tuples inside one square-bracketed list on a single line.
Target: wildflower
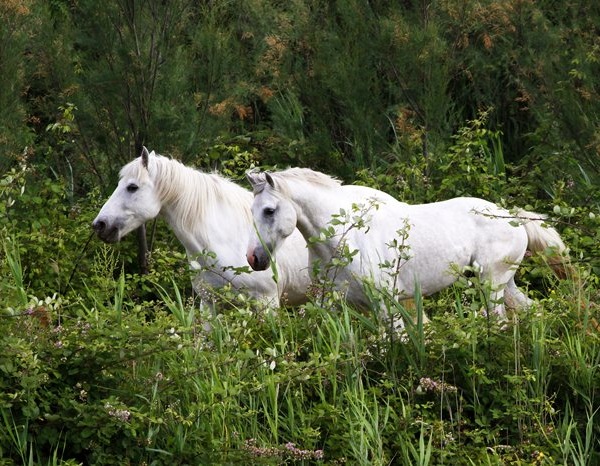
[(122, 415), (427, 384), (299, 454), (173, 334), (83, 327), (251, 447), (288, 450)]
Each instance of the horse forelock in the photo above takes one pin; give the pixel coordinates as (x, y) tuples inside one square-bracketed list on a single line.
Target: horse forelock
[(192, 197), (135, 169)]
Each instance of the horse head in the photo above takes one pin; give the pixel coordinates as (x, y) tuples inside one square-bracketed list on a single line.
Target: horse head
[(133, 202), (274, 219)]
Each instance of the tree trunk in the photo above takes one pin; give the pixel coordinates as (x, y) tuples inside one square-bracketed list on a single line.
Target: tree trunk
[(142, 250)]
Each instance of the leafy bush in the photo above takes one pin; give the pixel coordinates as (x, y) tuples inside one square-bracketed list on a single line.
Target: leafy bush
[(108, 380), (104, 366)]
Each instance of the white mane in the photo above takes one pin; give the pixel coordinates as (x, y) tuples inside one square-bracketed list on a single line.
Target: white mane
[(305, 175), (194, 196)]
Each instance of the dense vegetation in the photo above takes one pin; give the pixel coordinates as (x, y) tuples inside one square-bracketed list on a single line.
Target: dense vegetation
[(425, 100)]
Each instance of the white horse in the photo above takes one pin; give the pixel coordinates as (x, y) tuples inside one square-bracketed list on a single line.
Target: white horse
[(211, 217), (395, 245)]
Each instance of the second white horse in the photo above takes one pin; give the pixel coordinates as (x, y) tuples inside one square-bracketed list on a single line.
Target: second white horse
[(424, 244)]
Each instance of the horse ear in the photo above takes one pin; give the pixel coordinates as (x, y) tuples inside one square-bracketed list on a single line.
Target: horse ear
[(251, 176), (256, 179), (269, 179), (145, 156)]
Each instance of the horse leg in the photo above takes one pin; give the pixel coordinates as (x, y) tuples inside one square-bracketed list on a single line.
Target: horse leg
[(410, 309), (514, 298), (504, 293), (496, 304)]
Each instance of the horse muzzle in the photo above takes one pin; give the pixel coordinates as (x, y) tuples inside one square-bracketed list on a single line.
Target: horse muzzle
[(105, 231), (258, 259)]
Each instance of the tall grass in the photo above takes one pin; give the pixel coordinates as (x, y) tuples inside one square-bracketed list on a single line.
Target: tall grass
[(318, 383), (15, 282)]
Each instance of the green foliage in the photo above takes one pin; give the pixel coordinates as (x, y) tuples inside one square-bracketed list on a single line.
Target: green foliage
[(48, 231), (58, 378), (15, 25), (425, 101), (100, 377), (473, 165)]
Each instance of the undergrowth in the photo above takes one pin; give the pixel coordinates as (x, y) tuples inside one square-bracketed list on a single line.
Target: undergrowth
[(102, 366), (162, 382)]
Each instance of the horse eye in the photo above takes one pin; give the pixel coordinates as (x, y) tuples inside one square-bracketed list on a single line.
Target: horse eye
[(131, 188), (268, 211)]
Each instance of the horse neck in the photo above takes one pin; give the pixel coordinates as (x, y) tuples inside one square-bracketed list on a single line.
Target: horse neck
[(205, 211), (314, 206)]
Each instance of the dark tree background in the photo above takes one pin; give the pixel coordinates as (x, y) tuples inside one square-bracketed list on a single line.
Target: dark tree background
[(353, 79)]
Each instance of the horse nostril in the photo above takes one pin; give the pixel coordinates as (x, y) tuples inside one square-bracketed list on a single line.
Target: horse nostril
[(99, 226), (251, 258)]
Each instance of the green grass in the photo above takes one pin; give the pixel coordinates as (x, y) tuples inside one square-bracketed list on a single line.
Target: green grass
[(103, 378)]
